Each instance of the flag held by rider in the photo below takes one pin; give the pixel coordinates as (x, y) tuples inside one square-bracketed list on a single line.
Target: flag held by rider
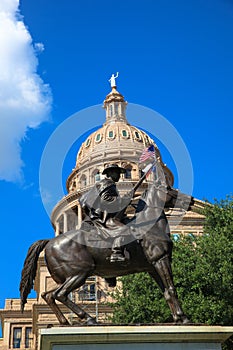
[(148, 154)]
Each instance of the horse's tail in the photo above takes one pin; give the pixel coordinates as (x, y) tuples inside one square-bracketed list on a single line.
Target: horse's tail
[(29, 270)]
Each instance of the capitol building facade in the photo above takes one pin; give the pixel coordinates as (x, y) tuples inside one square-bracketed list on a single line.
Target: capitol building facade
[(117, 141)]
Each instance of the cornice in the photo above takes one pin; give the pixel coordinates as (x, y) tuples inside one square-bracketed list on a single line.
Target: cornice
[(68, 199)]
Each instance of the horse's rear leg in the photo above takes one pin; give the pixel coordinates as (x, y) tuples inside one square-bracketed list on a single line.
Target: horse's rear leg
[(165, 280), (50, 300), (62, 294)]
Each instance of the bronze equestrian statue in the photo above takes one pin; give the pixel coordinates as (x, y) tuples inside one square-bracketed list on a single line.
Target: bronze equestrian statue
[(74, 256)]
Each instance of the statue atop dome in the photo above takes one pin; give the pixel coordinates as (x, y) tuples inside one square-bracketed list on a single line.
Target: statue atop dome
[(112, 80)]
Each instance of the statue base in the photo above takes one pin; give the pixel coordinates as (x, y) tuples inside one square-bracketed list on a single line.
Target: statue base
[(156, 337)]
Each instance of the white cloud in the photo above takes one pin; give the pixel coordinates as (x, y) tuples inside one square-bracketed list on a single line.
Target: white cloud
[(39, 47), (25, 100)]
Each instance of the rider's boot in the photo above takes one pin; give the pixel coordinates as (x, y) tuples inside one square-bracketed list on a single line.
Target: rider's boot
[(117, 255), (118, 250)]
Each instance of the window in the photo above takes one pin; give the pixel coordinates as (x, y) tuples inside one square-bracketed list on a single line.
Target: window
[(98, 138), (111, 110), (87, 144), (128, 173), (17, 337), (28, 337), (137, 135), (97, 177), (116, 108), (124, 133), (110, 134), (92, 291), (83, 181), (87, 292), (72, 186)]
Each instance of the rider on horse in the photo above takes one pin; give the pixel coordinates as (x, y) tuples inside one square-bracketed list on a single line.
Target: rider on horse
[(71, 259), (102, 204)]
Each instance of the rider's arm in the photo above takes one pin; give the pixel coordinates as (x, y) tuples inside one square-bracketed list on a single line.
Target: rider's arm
[(109, 194)]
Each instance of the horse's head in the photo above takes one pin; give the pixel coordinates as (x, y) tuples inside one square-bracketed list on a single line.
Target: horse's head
[(177, 199), (155, 195), (163, 196)]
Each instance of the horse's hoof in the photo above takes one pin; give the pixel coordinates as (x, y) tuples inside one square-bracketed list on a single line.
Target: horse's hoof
[(185, 320), (65, 323), (91, 322), (75, 323)]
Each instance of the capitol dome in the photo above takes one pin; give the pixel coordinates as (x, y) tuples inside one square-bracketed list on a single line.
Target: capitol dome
[(115, 142)]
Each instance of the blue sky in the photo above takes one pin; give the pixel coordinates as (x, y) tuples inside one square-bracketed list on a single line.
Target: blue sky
[(56, 57)]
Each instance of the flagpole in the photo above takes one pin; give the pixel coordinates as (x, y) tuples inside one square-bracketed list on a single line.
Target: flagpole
[(143, 177), (121, 212)]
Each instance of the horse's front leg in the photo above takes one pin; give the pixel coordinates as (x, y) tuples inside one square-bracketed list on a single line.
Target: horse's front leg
[(164, 272)]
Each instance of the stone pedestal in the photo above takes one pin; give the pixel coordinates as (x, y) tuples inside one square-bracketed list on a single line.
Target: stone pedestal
[(158, 337)]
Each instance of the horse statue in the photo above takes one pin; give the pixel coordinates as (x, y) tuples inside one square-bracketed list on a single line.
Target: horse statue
[(74, 256)]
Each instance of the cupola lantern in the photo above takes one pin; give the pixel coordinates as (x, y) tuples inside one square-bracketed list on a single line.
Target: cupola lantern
[(115, 104)]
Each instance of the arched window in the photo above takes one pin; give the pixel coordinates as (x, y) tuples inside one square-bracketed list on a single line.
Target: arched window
[(98, 138), (111, 134), (72, 185), (137, 135), (128, 172), (88, 142), (96, 176), (124, 133), (111, 110), (83, 181), (116, 108)]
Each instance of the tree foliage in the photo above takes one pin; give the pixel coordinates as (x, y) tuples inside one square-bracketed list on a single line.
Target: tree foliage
[(203, 275)]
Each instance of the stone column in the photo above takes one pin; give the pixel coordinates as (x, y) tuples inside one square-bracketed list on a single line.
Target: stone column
[(65, 224), (57, 228), (79, 217)]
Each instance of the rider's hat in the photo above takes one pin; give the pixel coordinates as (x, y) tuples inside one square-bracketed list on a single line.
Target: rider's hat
[(113, 166)]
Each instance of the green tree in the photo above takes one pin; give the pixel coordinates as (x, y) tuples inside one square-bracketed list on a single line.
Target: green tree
[(203, 275)]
